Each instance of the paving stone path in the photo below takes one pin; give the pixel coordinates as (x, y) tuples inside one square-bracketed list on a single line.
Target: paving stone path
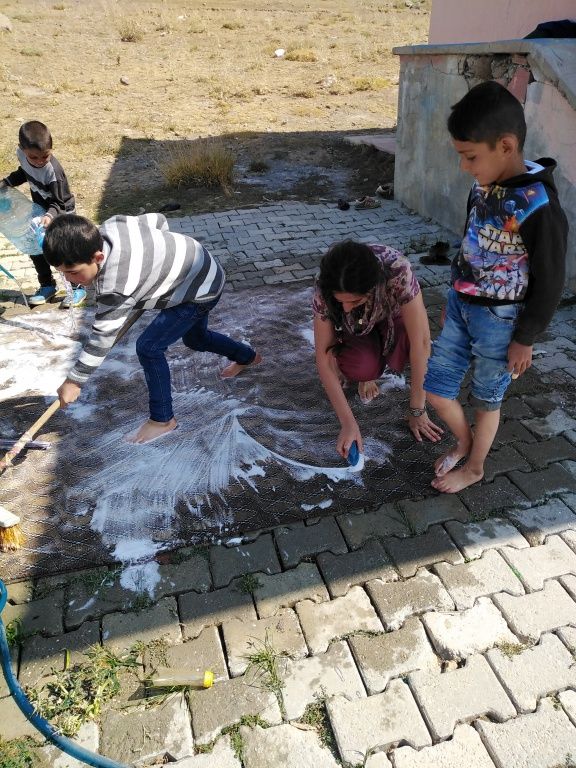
[(429, 633)]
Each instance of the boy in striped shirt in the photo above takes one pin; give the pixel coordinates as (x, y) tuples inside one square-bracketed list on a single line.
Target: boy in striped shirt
[(135, 263)]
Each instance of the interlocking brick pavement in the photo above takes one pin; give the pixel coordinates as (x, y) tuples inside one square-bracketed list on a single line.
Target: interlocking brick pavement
[(425, 589)]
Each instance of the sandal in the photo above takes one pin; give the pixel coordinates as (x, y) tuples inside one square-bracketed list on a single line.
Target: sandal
[(366, 202), (437, 254)]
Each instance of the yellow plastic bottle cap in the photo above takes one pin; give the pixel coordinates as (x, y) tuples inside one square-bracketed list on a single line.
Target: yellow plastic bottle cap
[(208, 678)]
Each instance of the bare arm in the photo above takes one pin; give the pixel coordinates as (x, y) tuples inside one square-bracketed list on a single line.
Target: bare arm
[(325, 337), (416, 324)]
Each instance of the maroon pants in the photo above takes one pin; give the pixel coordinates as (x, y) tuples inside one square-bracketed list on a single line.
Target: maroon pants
[(361, 358)]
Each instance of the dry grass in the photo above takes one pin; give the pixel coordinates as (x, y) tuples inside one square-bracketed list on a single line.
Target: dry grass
[(129, 30), (202, 164), (193, 68), (304, 93), (301, 54), (370, 83)]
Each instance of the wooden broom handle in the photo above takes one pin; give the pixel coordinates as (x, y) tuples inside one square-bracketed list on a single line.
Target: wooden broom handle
[(18, 446)]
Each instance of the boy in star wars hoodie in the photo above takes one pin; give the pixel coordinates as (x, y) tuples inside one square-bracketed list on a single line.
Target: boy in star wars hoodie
[(507, 277)]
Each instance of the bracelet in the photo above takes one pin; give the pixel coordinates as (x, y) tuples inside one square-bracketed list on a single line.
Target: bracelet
[(416, 412)]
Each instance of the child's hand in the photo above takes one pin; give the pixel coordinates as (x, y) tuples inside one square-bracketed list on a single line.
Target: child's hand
[(348, 434), (519, 358), (45, 221), (68, 392), (423, 426)]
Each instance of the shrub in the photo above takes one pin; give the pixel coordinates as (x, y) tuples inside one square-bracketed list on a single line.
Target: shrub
[(301, 54), (370, 83), (129, 31), (206, 163), (304, 93)]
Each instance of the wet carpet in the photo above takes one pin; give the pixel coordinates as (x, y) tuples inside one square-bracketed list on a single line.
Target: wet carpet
[(249, 453)]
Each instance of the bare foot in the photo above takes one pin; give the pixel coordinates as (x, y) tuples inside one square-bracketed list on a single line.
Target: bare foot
[(457, 480), (151, 430), (448, 461), (368, 390), (235, 368)]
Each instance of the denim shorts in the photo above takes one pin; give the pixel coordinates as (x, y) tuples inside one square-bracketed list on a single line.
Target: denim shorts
[(477, 336)]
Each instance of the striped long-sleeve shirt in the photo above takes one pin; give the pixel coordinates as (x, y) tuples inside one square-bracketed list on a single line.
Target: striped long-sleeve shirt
[(48, 185), (145, 266)]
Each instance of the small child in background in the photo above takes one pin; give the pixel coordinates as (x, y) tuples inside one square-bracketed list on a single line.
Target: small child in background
[(507, 278), (49, 188)]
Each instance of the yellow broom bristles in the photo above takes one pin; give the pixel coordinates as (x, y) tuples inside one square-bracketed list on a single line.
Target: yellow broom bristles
[(11, 538)]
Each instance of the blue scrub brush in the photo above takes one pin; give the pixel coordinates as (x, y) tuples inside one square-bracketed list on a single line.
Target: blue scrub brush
[(355, 458)]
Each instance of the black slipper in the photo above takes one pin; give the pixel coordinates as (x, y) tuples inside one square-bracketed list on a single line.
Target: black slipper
[(437, 254)]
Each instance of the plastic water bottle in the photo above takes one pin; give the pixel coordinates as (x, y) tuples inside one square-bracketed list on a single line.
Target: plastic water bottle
[(16, 215), (39, 230), (165, 677)]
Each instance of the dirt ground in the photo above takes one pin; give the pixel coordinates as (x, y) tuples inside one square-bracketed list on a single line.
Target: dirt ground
[(188, 70)]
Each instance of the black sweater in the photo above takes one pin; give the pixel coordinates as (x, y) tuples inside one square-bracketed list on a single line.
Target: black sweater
[(48, 185)]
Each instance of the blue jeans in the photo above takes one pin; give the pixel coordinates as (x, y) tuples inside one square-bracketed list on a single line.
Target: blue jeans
[(473, 335), (188, 322)]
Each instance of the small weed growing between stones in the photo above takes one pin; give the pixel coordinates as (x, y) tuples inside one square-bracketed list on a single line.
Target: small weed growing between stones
[(78, 694), (16, 753), (95, 580), (183, 555), (141, 602), (315, 715), (234, 732), (16, 635), (248, 583), (516, 573), (569, 762), (556, 703), (512, 649), (205, 749), (263, 665)]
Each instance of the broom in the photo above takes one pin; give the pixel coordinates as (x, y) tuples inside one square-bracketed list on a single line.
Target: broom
[(11, 536)]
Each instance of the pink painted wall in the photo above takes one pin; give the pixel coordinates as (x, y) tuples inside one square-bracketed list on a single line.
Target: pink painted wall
[(470, 21)]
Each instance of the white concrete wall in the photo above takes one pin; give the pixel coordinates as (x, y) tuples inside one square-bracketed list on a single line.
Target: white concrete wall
[(552, 132), (427, 177), (474, 21)]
